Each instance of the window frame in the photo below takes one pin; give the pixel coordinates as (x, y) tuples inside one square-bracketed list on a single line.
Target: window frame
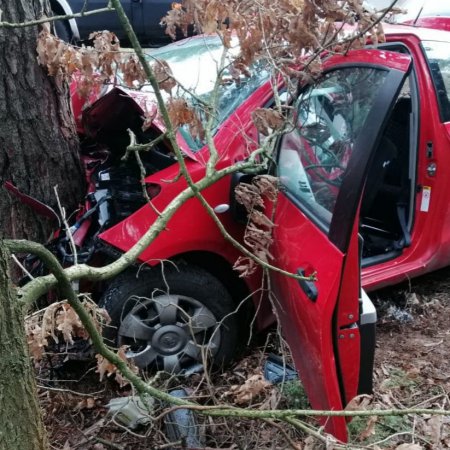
[(353, 179)]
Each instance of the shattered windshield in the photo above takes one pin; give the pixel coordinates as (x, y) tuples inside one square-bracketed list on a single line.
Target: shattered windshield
[(195, 64), (438, 56)]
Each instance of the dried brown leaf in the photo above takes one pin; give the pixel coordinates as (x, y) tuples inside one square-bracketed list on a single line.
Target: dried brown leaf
[(180, 113), (164, 76), (245, 266), (106, 369), (253, 387), (359, 403), (133, 72), (267, 120), (259, 218), (434, 429), (267, 186), (370, 428), (312, 444), (248, 196)]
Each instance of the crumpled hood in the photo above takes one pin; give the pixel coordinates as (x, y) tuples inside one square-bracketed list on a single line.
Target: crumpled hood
[(121, 109)]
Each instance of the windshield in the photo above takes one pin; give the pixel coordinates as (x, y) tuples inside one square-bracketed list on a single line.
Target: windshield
[(195, 64), (438, 56)]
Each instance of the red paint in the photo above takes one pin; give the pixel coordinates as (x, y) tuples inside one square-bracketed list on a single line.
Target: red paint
[(437, 23)]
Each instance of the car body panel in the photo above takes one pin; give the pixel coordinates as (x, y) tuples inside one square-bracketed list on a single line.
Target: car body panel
[(430, 248), (437, 23), (433, 14), (144, 15)]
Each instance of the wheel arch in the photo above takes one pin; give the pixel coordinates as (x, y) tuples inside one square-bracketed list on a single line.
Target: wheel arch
[(62, 7), (220, 268)]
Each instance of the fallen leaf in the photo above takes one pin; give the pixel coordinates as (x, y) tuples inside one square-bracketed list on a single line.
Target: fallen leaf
[(311, 444), (359, 403), (252, 388), (434, 429), (370, 428)]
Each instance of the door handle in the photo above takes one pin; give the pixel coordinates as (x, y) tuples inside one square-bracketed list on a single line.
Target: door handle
[(308, 287)]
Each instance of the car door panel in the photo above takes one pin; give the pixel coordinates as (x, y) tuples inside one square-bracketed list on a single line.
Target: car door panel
[(308, 336), (322, 165)]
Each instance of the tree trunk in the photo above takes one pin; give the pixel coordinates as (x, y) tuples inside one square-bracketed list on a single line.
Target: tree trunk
[(38, 143), (20, 416)]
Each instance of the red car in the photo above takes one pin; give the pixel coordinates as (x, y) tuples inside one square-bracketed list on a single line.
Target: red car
[(425, 13), (363, 203)]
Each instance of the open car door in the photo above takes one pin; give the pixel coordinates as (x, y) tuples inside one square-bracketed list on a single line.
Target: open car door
[(322, 165)]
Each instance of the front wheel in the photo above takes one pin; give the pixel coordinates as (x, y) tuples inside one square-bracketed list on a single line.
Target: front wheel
[(172, 320)]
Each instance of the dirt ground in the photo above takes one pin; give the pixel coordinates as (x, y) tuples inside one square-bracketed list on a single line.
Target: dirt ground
[(412, 370)]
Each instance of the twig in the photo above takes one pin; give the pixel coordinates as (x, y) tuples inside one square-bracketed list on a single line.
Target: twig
[(142, 171), (81, 394), (69, 235), (31, 23), (283, 432), (22, 267), (169, 445)]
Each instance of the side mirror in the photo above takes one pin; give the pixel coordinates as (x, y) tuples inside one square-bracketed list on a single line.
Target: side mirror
[(237, 211)]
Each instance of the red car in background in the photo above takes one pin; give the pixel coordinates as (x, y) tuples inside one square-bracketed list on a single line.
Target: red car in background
[(425, 13), (363, 203)]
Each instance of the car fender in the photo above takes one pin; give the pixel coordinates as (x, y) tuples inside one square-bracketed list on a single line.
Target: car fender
[(190, 230), (64, 5)]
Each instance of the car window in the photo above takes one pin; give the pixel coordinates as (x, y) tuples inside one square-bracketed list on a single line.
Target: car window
[(438, 55), (314, 154)]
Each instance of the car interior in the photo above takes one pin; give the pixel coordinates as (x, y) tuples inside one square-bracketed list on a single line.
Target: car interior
[(386, 214), (385, 205)]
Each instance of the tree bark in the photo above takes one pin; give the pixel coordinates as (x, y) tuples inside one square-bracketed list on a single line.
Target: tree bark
[(38, 143), (20, 416)]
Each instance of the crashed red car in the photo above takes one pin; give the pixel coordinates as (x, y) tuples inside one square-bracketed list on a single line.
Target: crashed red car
[(363, 203)]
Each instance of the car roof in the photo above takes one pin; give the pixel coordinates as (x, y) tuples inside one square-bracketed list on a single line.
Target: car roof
[(423, 34)]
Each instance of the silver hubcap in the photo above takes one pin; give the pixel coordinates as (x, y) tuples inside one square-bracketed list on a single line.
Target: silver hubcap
[(171, 332)]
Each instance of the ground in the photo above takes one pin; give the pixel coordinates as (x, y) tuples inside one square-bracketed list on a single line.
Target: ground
[(412, 370)]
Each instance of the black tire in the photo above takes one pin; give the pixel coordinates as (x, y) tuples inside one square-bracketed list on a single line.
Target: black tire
[(63, 31), (172, 319)]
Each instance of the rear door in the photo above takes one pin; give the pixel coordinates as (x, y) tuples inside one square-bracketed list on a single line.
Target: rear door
[(322, 164)]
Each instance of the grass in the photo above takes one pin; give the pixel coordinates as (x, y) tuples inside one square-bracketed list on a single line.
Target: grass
[(294, 395), (385, 427)]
